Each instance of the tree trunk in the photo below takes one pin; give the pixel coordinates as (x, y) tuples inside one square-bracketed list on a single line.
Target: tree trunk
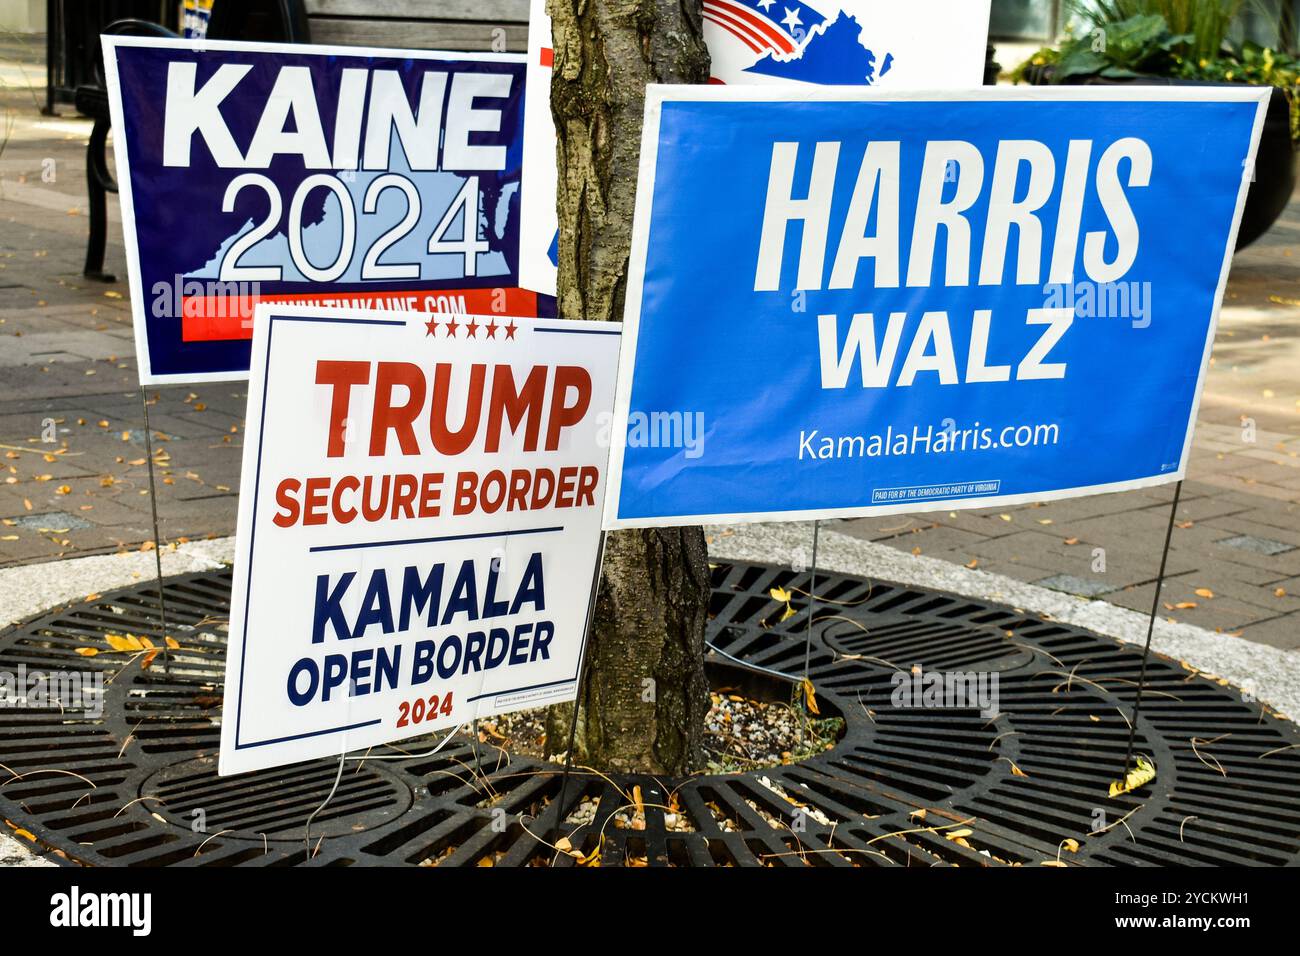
[(644, 699)]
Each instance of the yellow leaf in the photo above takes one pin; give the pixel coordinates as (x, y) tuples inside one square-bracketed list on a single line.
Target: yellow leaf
[(87, 651), (119, 642), (1071, 844), (1184, 605), (1204, 592), (1005, 517), (810, 697), (780, 594), (1279, 592), (563, 845), (917, 814), (1071, 540), (486, 861), (788, 613), (1017, 772), (1138, 777), (958, 834), (1051, 863), (172, 642), (25, 834)]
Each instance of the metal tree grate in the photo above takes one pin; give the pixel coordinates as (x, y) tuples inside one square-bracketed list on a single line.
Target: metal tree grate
[(137, 786)]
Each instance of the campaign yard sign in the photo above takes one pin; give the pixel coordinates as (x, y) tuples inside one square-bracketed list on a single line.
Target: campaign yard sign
[(419, 522), (843, 302), (881, 43), (335, 175)]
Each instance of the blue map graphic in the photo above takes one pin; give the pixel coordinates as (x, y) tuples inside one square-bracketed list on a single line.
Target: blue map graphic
[(833, 54)]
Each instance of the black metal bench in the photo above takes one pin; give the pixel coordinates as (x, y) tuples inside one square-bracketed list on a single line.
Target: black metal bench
[(468, 25)]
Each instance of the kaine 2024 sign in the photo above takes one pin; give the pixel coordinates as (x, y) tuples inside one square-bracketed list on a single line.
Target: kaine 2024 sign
[(842, 303), (419, 522), (344, 176)]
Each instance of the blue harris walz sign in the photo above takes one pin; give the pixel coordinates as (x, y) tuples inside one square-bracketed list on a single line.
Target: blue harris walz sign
[(319, 175), (849, 303)]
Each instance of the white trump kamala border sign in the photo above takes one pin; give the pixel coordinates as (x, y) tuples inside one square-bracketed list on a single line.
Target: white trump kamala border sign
[(419, 523)]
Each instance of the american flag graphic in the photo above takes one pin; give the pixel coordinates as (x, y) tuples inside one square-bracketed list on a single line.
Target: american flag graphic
[(763, 25)]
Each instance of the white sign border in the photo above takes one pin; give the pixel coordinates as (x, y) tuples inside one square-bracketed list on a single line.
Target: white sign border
[(658, 94)]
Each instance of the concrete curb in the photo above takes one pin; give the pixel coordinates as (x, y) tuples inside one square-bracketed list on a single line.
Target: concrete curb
[(31, 588)]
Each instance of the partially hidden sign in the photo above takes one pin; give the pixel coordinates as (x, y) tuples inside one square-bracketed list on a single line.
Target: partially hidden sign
[(340, 176), (884, 43), (419, 521), (843, 303)]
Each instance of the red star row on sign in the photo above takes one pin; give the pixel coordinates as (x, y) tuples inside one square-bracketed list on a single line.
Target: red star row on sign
[(471, 328)]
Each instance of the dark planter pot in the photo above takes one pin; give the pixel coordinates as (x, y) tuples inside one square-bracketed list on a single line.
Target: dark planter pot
[(1275, 162)]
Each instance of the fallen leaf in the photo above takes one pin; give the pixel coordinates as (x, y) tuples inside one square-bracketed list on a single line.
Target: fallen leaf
[(1135, 779), (123, 642), (1204, 592), (810, 696), (87, 651)]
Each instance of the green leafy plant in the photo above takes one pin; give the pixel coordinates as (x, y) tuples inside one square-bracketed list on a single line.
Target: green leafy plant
[(1181, 39), (1200, 26)]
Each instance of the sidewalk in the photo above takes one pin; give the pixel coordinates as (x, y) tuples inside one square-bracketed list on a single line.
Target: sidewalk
[(67, 366), (67, 360)]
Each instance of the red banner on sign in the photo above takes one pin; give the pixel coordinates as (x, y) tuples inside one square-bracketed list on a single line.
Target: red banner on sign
[(211, 318)]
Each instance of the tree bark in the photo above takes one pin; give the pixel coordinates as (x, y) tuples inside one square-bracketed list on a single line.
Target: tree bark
[(644, 699)]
